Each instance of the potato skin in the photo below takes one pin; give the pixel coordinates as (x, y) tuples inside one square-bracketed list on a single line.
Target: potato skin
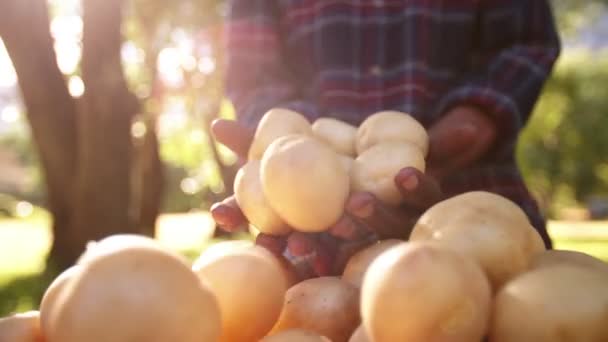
[(327, 306), (441, 294), (358, 264), (391, 126), (250, 284), (486, 226), (276, 123), (295, 335), (305, 182), (375, 169), (560, 303), (337, 134), (138, 292), (249, 194)]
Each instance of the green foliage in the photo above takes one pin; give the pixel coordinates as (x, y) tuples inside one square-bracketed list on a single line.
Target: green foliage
[(563, 150)]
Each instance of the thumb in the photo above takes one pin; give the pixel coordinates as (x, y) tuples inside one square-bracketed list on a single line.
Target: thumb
[(233, 135)]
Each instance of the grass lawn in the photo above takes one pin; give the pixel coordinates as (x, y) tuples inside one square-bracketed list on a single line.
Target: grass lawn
[(25, 242)]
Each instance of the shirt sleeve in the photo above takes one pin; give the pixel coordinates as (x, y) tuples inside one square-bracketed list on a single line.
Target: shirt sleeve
[(257, 76), (518, 47)]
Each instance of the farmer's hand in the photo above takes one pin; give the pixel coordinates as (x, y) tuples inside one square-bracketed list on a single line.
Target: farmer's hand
[(459, 139)]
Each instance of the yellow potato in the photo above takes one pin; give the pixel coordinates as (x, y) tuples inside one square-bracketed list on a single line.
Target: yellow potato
[(327, 306), (560, 303), (52, 293), (360, 335), (22, 327), (339, 135), (134, 293), (295, 335), (391, 126), (276, 123), (563, 257), (488, 227), (424, 292), (249, 284), (375, 169), (347, 162), (358, 264), (112, 243), (304, 182), (252, 201)]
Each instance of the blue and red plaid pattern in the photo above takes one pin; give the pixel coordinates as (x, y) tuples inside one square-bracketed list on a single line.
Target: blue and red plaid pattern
[(348, 59)]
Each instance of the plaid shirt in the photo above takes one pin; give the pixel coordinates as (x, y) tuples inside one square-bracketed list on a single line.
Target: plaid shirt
[(350, 58)]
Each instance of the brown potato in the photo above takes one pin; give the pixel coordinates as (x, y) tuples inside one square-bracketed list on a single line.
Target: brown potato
[(357, 264), (134, 293), (559, 303), (252, 201), (249, 284), (391, 126), (276, 123), (304, 182), (22, 327), (337, 134), (360, 335), (420, 291), (295, 335), (327, 306), (375, 169), (488, 227)]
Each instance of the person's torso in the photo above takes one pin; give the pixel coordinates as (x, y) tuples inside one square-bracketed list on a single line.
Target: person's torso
[(356, 57)]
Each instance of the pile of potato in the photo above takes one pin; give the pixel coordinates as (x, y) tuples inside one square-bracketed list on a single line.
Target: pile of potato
[(474, 268)]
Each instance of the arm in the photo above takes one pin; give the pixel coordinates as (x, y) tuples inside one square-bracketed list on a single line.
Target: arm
[(517, 49), (258, 78)]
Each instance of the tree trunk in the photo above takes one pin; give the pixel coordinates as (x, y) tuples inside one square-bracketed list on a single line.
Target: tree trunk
[(51, 112), (103, 183), (150, 180)]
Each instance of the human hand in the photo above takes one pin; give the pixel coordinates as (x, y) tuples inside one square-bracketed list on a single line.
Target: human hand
[(459, 139)]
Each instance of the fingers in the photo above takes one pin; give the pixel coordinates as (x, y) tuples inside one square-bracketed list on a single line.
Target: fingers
[(419, 191), (310, 256), (233, 135), (228, 215), (463, 136), (386, 222), (275, 244), (348, 228)]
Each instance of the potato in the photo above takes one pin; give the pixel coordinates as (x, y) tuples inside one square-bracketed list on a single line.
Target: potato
[(347, 162), (112, 243), (304, 182), (360, 335), (249, 284), (560, 303), (424, 292), (337, 134), (134, 293), (22, 327), (327, 306), (276, 123), (358, 263), (52, 293), (563, 257), (486, 226), (252, 201), (375, 169), (391, 126), (295, 335)]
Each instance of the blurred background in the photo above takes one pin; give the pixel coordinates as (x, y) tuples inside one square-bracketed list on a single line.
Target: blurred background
[(105, 109)]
